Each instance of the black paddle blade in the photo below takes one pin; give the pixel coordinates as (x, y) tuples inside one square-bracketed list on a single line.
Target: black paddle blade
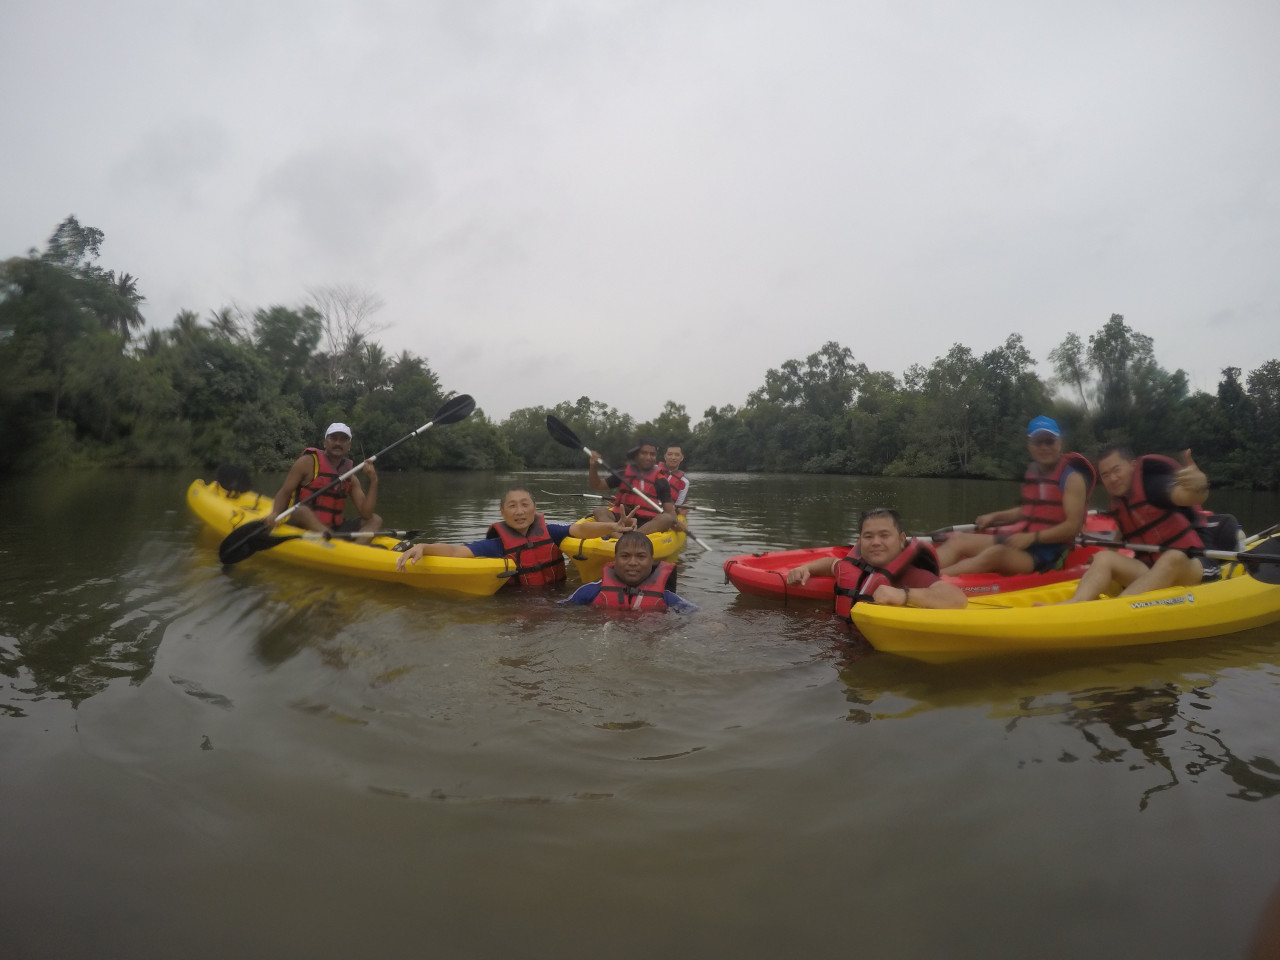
[(243, 542), (458, 408), (562, 434), (1263, 561)]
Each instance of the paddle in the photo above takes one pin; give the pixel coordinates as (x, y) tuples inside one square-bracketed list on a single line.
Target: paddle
[(941, 532), (267, 541), (246, 540), (601, 496), (566, 437), (364, 534), (1262, 562)]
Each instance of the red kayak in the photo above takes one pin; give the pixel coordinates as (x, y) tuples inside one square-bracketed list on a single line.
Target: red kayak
[(765, 574)]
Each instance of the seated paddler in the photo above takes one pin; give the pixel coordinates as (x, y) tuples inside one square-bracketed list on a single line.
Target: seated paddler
[(314, 472), (633, 581), (1156, 502), (524, 535), (886, 567), (642, 486), (1037, 534)]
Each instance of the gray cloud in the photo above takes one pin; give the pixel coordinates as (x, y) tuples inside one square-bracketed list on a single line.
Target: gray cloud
[(539, 186)]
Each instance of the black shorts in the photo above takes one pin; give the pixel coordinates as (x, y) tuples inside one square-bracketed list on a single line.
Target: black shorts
[(1048, 556)]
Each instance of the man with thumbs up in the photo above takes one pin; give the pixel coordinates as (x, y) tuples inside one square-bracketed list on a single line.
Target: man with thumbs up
[(1153, 500)]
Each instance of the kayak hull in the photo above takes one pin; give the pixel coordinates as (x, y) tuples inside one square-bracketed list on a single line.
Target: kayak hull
[(223, 512), (1012, 622), (765, 575), (590, 555)]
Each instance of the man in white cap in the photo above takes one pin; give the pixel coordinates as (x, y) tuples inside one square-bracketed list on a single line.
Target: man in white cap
[(1037, 534), (314, 471)]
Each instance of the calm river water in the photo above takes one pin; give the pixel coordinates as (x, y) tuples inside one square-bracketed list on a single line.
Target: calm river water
[(259, 761)]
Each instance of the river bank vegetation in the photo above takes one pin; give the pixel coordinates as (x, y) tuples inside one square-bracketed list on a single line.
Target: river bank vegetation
[(84, 383)]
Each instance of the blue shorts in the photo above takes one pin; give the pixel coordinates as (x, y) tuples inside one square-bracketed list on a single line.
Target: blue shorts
[(1048, 556)]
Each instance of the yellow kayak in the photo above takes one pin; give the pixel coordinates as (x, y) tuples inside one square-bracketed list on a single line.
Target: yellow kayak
[(590, 555), (1011, 622), (223, 512)]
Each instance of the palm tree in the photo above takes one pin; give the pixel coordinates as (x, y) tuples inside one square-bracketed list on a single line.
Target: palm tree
[(186, 329), (118, 309), (225, 323), (374, 367), (153, 343)]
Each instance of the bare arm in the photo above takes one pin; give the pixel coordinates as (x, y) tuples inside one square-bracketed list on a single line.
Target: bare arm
[(593, 474), (1190, 485), (420, 550), (939, 595), (822, 567), (587, 529), (999, 518), (298, 474), (365, 502)]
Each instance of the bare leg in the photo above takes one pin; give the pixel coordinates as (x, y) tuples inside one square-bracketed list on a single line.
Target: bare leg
[(663, 521), (1173, 569), (304, 518), (1107, 572), (958, 546), (995, 559), (373, 523), (603, 515)]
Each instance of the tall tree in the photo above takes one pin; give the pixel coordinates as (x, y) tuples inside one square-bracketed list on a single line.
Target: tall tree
[(1114, 353), (120, 311), (1263, 388), (1071, 367), (287, 339), (346, 322)]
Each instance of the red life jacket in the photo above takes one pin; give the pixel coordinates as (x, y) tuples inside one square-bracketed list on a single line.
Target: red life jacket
[(329, 505), (646, 596), (538, 558), (857, 580), (678, 483), (626, 498), (1144, 522), (1042, 493)]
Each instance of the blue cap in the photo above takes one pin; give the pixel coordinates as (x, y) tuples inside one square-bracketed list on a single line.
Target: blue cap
[(1043, 425)]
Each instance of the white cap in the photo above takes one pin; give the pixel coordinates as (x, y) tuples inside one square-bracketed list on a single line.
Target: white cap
[(338, 428)]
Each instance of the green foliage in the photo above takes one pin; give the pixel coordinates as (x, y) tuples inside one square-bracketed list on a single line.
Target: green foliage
[(286, 339), (252, 392), (78, 390), (670, 426)]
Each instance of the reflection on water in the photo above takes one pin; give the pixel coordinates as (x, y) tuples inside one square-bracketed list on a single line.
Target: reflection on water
[(86, 592), (1146, 713)]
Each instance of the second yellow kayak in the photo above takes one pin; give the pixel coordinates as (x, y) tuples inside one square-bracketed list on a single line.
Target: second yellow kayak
[(589, 556), (1012, 622)]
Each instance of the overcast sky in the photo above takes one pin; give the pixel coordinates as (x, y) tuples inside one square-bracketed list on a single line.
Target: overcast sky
[(548, 195)]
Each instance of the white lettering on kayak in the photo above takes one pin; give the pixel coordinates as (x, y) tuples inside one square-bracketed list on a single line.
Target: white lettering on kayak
[(1165, 602)]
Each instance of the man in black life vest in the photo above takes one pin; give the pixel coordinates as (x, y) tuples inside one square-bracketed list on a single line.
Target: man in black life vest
[(1036, 535), (643, 474), (313, 471), (881, 544), (1154, 501)]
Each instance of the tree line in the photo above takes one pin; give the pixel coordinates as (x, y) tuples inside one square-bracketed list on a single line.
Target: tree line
[(82, 384)]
